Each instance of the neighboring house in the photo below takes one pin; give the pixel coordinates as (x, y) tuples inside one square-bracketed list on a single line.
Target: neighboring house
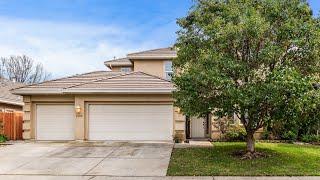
[(8, 101), (133, 101)]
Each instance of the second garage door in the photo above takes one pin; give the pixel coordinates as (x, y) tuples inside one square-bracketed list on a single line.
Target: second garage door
[(130, 122)]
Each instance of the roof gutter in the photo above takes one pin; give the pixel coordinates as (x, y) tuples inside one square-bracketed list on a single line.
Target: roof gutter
[(93, 91), (120, 91), (132, 57), (36, 91), (11, 102)]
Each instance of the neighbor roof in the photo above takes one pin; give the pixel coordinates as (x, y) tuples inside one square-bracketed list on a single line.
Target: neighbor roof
[(6, 96), (161, 53), (101, 82), (118, 62)]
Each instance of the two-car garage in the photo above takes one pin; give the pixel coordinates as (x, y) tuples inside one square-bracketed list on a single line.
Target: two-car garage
[(101, 105), (106, 121)]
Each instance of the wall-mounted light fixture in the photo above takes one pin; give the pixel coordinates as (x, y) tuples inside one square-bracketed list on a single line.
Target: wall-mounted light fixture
[(78, 110)]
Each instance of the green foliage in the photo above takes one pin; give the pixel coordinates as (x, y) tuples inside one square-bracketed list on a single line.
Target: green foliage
[(235, 133), (290, 135), (257, 59), (266, 135), (311, 138), (280, 130), (3, 138), (223, 124)]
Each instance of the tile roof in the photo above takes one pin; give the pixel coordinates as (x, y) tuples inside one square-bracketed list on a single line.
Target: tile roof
[(161, 53), (100, 82), (118, 62), (134, 80), (5, 94)]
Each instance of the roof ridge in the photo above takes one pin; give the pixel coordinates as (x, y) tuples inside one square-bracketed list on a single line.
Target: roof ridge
[(57, 79), (100, 79)]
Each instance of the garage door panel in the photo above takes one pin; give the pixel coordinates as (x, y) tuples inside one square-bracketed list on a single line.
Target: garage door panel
[(55, 122), (130, 122)]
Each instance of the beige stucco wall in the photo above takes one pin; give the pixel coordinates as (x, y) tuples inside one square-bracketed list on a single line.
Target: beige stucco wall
[(81, 120), (153, 67), (179, 124)]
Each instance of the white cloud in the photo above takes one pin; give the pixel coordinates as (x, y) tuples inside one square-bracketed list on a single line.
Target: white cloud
[(69, 48)]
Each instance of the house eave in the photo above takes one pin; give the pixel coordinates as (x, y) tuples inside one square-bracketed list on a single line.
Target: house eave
[(119, 91), (37, 91), (11, 102), (133, 57)]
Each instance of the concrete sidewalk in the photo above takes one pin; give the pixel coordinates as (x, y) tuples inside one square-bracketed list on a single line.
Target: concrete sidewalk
[(41, 177)]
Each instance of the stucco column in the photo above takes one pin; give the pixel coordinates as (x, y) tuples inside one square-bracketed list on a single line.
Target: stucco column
[(179, 124), (80, 119), (27, 125)]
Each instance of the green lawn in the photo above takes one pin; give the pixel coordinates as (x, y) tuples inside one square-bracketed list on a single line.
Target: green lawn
[(285, 159)]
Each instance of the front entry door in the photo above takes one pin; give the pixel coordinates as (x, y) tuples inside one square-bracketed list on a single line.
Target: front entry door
[(197, 127)]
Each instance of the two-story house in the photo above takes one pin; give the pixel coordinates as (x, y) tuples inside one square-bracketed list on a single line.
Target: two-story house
[(133, 101)]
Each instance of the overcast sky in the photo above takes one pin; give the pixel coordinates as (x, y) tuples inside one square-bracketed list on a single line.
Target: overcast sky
[(77, 36)]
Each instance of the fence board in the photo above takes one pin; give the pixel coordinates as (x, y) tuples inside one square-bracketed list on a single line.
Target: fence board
[(11, 125)]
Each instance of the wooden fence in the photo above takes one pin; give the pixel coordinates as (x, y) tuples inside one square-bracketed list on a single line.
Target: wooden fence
[(11, 125)]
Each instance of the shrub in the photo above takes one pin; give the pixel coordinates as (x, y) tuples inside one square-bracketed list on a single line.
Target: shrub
[(310, 138), (222, 124), (178, 138), (235, 133), (3, 138), (289, 135), (266, 135)]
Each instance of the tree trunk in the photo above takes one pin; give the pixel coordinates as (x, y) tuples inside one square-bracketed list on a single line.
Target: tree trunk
[(250, 143)]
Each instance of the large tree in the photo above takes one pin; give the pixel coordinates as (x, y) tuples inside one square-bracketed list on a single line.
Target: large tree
[(22, 69), (256, 59)]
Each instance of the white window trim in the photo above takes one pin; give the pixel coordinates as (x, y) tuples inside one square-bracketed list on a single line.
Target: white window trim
[(165, 71), (128, 69)]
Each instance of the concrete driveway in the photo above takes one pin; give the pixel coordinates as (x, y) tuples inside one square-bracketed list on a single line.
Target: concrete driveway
[(86, 159)]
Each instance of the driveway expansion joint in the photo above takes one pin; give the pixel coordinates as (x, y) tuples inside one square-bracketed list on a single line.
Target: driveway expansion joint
[(113, 149)]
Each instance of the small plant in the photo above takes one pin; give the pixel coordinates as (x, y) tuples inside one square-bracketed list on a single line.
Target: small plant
[(236, 133), (178, 138), (266, 135), (290, 135), (311, 138), (3, 138)]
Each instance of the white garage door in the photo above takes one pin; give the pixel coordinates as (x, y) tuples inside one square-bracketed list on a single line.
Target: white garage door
[(55, 122), (130, 122)]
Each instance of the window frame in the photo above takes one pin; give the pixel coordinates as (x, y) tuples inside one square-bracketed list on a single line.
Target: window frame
[(167, 72), (127, 68)]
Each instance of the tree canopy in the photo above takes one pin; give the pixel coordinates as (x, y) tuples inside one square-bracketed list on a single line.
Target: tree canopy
[(257, 59)]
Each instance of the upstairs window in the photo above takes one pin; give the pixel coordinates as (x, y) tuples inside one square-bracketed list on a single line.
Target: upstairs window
[(125, 69), (168, 70)]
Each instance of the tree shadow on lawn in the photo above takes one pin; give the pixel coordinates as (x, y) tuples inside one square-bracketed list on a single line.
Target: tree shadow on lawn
[(282, 159)]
